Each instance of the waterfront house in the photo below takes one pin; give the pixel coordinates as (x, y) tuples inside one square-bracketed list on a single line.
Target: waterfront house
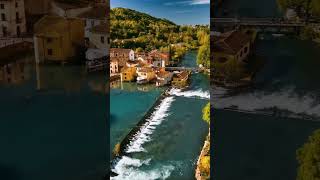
[(100, 37), (163, 78), (12, 18), (121, 55), (180, 79), (233, 45), (145, 74), (128, 74), (57, 39), (95, 16), (114, 68)]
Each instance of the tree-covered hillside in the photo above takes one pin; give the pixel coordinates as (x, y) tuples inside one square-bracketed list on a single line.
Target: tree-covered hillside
[(128, 23)]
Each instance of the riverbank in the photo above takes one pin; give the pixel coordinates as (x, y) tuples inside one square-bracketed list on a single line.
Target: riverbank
[(203, 164)]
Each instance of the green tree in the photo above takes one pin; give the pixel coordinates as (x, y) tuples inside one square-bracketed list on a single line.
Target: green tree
[(206, 113), (308, 158), (203, 56)]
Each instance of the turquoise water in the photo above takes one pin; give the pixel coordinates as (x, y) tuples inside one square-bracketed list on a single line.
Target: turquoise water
[(128, 106), (169, 145), (53, 126)]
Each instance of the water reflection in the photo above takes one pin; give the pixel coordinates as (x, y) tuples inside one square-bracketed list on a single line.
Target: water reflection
[(15, 72), (56, 114), (132, 86)]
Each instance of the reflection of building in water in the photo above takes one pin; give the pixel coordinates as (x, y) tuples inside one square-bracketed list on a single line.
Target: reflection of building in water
[(128, 86), (99, 86), (115, 84), (57, 77), (14, 73)]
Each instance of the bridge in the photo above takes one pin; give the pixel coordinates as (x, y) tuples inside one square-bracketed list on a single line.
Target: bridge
[(266, 22), (193, 69), (273, 25)]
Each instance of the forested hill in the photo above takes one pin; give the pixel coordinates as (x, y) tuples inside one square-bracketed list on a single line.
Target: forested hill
[(128, 23)]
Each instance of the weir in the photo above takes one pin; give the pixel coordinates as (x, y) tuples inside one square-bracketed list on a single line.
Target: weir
[(136, 129)]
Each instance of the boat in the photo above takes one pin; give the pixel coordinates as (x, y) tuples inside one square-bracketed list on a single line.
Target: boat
[(142, 80)]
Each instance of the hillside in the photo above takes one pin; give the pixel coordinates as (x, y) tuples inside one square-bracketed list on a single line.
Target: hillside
[(128, 23)]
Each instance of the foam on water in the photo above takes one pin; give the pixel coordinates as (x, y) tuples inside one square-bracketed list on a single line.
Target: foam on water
[(192, 93), (285, 99), (128, 169), (143, 135)]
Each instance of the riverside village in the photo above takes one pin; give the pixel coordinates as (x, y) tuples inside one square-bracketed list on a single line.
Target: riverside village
[(158, 69)]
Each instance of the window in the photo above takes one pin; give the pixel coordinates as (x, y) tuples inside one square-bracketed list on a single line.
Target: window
[(102, 39), (49, 40), (92, 23), (50, 52), (245, 49), (4, 31), (3, 17), (2, 6)]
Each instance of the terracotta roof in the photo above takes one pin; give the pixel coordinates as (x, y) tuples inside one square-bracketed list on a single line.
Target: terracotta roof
[(182, 74), (120, 50), (163, 74), (146, 70), (230, 42), (96, 12)]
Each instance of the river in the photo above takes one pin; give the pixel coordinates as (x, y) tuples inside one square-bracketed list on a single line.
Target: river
[(53, 123), (259, 146), (168, 146)]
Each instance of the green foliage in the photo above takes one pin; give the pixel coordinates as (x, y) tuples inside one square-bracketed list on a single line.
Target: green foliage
[(206, 113), (302, 7), (308, 157), (133, 29), (203, 56), (308, 33)]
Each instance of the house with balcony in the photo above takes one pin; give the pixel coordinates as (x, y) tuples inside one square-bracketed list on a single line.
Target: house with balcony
[(12, 18), (58, 39)]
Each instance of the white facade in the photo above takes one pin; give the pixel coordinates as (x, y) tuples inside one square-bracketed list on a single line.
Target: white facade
[(89, 24), (12, 18), (159, 63)]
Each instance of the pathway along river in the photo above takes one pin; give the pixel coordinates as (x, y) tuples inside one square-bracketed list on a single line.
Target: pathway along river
[(168, 147), (256, 146)]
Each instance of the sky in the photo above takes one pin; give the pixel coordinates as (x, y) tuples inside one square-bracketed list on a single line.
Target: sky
[(182, 12)]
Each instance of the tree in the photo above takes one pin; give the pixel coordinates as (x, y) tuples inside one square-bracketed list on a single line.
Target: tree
[(206, 113), (308, 158), (203, 56)]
